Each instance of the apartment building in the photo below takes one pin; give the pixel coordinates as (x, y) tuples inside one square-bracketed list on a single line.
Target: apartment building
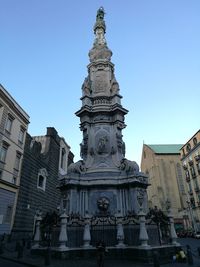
[(13, 127), (190, 158)]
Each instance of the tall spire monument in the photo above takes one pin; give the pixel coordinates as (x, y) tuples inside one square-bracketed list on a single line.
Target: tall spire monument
[(103, 174), (104, 195)]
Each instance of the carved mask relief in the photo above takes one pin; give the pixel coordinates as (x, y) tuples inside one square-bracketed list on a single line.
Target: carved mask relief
[(103, 204)]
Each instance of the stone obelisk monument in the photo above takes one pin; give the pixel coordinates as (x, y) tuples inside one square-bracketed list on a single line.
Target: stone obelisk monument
[(104, 181)]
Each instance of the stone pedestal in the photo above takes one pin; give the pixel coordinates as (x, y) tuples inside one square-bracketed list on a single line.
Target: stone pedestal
[(143, 236), (86, 233), (37, 237), (173, 235), (63, 233), (120, 232)]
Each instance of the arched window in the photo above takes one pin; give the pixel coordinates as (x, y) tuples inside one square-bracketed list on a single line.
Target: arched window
[(195, 141)]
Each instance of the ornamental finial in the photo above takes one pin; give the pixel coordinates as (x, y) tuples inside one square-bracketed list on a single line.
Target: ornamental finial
[(100, 27)]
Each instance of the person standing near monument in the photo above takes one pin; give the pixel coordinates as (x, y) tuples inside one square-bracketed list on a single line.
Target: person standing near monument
[(101, 249)]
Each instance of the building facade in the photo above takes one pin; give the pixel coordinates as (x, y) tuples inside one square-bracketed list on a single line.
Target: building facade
[(13, 127), (45, 158), (163, 166), (190, 158)]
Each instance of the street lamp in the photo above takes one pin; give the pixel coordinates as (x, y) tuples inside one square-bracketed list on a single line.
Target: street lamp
[(194, 226)]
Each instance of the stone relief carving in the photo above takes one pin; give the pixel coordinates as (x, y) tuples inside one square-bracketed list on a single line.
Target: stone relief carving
[(140, 196), (100, 52), (77, 167), (129, 166), (102, 145), (100, 84), (84, 146), (86, 87), (100, 38), (103, 204), (114, 86), (120, 144)]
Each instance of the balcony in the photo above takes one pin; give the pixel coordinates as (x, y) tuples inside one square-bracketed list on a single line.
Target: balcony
[(190, 192), (197, 157), (190, 162), (185, 167), (187, 179)]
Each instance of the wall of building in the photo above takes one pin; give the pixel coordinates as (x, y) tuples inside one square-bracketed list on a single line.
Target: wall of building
[(190, 158), (11, 155), (166, 179), (40, 159)]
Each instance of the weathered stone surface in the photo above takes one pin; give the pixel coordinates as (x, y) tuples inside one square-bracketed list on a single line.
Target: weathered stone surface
[(103, 174)]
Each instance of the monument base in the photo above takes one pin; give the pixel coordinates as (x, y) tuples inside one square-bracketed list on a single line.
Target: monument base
[(136, 254)]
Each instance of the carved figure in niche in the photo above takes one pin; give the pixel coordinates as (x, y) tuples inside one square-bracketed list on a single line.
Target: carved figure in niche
[(84, 145), (114, 86), (129, 166), (86, 87), (140, 196), (77, 167), (102, 144), (103, 204)]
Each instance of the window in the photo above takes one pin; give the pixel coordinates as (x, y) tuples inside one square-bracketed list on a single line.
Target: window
[(9, 122), (14, 180), (192, 202), (17, 161), (192, 170), (188, 148), (195, 141), (63, 158), (3, 151), (41, 182), (198, 167), (187, 174), (8, 215), (21, 135), (190, 188)]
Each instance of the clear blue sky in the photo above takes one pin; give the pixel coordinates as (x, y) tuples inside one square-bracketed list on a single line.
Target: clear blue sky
[(156, 51)]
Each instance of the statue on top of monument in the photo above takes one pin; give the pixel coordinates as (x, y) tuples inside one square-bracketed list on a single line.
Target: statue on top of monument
[(100, 13), (100, 23)]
